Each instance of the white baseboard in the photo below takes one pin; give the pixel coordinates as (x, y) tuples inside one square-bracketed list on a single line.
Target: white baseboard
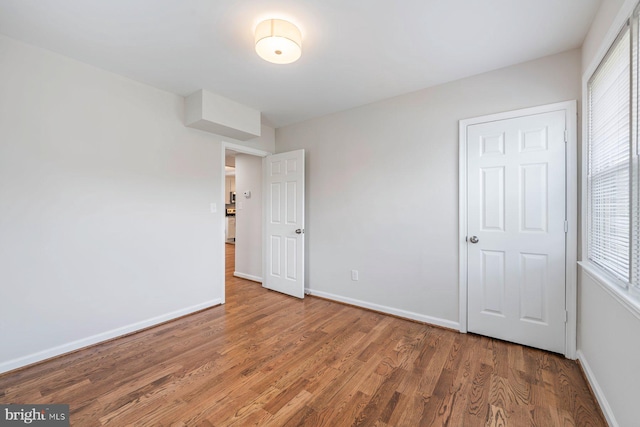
[(103, 336), (388, 310), (602, 400), (247, 276)]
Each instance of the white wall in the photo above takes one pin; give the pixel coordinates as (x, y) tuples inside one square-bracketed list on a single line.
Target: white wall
[(608, 330), (601, 23), (105, 195), (608, 349), (249, 217), (382, 187), (266, 141)]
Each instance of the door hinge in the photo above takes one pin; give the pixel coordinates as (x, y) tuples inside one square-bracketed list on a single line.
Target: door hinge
[(566, 136), (566, 226)]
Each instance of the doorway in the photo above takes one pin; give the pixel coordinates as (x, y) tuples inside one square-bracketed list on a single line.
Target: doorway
[(243, 217), (518, 226), (280, 221)]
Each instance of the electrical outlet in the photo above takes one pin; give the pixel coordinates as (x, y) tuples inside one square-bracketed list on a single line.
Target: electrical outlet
[(355, 275)]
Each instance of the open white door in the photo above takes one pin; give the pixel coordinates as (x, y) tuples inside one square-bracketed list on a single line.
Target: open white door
[(284, 223)]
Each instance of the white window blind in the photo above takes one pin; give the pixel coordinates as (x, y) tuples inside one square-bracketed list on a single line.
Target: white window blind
[(635, 175), (609, 166)]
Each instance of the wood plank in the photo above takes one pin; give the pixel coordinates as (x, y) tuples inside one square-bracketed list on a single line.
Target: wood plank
[(268, 359)]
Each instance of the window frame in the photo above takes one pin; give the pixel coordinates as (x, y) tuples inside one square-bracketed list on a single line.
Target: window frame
[(629, 296)]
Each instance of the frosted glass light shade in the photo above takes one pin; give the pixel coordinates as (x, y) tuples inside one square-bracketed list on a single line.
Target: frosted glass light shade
[(278, 41)]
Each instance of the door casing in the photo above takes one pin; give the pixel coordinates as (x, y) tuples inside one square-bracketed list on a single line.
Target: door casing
[(571, 256)]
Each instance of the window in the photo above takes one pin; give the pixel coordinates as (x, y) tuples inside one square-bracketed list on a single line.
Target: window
[(609, 177), (612, 175)]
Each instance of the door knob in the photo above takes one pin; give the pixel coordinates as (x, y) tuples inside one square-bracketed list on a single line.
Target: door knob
[(474, 239), (299, 231)]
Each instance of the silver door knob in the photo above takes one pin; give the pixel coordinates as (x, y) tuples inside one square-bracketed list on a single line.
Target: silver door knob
[(474, 239), (299, 231)]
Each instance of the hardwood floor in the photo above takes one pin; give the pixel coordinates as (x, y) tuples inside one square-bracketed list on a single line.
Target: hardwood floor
[(268, 359)]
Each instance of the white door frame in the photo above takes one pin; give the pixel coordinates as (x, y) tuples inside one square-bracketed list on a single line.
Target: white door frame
[(240, 149), (571, 256)]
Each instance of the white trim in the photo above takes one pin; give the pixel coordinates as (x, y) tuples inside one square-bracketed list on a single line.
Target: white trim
[(264, 220), (103, 336), (571, 242), (247, 276), (602, 400), (609, 286), (450, 324), (462, 226), (570, 108), (240, 149), (244, 149)]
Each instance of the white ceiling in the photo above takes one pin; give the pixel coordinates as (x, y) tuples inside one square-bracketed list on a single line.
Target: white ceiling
[(354, 51)]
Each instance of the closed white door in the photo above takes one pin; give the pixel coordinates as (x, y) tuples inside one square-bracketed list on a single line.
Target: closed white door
[(516, 219), (284, 241)]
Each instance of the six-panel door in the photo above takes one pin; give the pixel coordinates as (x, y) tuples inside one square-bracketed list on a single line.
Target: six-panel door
[(284, 260), (516, 210)]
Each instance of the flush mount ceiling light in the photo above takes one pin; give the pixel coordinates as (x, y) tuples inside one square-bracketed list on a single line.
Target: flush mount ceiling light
[(278, 41)]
